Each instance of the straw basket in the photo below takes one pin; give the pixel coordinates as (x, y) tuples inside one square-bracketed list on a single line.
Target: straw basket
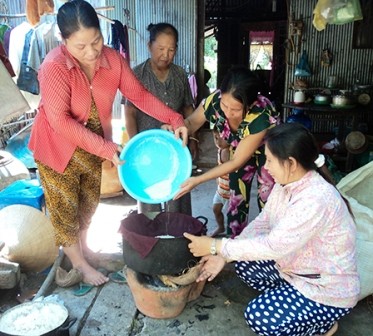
[(28, 236)]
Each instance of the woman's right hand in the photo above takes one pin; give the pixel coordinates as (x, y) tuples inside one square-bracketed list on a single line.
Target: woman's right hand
[(212, 266), (182, 133)]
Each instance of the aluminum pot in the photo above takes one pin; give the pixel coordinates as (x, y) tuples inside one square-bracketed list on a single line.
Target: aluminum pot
[(342, 100), (157, 246), (322, 99), (36, 318)]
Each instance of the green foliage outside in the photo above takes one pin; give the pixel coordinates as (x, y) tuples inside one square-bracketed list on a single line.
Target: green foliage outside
[(210, 58)]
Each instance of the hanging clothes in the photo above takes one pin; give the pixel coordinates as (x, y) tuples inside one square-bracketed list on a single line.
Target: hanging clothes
[(119, 39), (4, 58), (3, 28), (36, 8), (28, 77), (4, 43), (193, 86), (16, 44), (44, 39), (6, 40)]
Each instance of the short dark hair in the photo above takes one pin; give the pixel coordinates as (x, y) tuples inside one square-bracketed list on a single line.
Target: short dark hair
[(74, 15), (243, 85), (162, 28)]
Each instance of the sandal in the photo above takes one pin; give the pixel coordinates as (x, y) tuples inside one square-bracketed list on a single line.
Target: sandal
[(82, 289), (118, 277), (333, 330)]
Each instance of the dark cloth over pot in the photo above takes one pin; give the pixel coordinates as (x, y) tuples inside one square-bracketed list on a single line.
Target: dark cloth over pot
[(145, 253), (140, 231)]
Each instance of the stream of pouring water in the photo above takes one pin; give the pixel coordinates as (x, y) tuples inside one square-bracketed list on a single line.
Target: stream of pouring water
[(166, 208)]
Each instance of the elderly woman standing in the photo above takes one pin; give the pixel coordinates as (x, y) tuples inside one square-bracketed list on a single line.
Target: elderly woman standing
[(169, 83), (72, 131)]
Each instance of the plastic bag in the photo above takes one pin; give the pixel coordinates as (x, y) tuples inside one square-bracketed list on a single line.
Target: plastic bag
[(320, 14), (303, 69), (336, 12), (345, 11), (357, 188)]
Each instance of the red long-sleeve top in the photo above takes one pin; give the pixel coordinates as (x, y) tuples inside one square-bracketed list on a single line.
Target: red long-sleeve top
[(59, 126)]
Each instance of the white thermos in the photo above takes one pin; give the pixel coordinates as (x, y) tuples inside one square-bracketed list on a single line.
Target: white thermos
[(299, 97)]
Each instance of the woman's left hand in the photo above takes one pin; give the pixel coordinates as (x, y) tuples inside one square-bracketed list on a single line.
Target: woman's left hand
[(180, 133), (199, 246), (187, 186)]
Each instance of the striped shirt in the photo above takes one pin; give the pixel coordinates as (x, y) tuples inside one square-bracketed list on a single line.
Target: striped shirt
[(66, 94), (174, 92), (223, 181), (306, 228)]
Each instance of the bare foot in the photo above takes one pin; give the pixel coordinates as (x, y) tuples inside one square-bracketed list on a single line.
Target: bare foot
[(217, 232), (92, 276), (332, 331)]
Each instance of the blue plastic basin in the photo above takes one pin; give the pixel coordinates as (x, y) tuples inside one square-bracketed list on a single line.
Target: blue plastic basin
[(155, 165)]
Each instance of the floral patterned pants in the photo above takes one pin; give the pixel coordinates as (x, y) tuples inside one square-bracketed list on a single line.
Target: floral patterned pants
[(240, 183)]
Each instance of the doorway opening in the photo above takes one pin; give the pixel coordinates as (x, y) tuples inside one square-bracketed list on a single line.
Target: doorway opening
[(211, 59), (261, 49)]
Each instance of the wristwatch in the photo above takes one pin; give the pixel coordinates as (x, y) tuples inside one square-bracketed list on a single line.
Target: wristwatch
[(213, 247)]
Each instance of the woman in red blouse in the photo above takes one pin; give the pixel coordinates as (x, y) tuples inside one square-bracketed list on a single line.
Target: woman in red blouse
[(72, 133)]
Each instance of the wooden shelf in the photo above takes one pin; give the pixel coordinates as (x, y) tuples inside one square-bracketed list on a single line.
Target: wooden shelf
[(336, 117)]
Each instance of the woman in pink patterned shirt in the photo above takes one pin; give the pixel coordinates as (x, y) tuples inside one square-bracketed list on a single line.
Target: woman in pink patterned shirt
[(299, 251)]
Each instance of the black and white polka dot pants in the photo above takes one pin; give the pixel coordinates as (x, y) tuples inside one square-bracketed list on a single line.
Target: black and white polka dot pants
[(281, 309)]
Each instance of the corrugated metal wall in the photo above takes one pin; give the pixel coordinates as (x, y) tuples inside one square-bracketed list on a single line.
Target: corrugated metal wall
[(180, 13), (12, 7), (19, 7), (137, 14), (348, 64)]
